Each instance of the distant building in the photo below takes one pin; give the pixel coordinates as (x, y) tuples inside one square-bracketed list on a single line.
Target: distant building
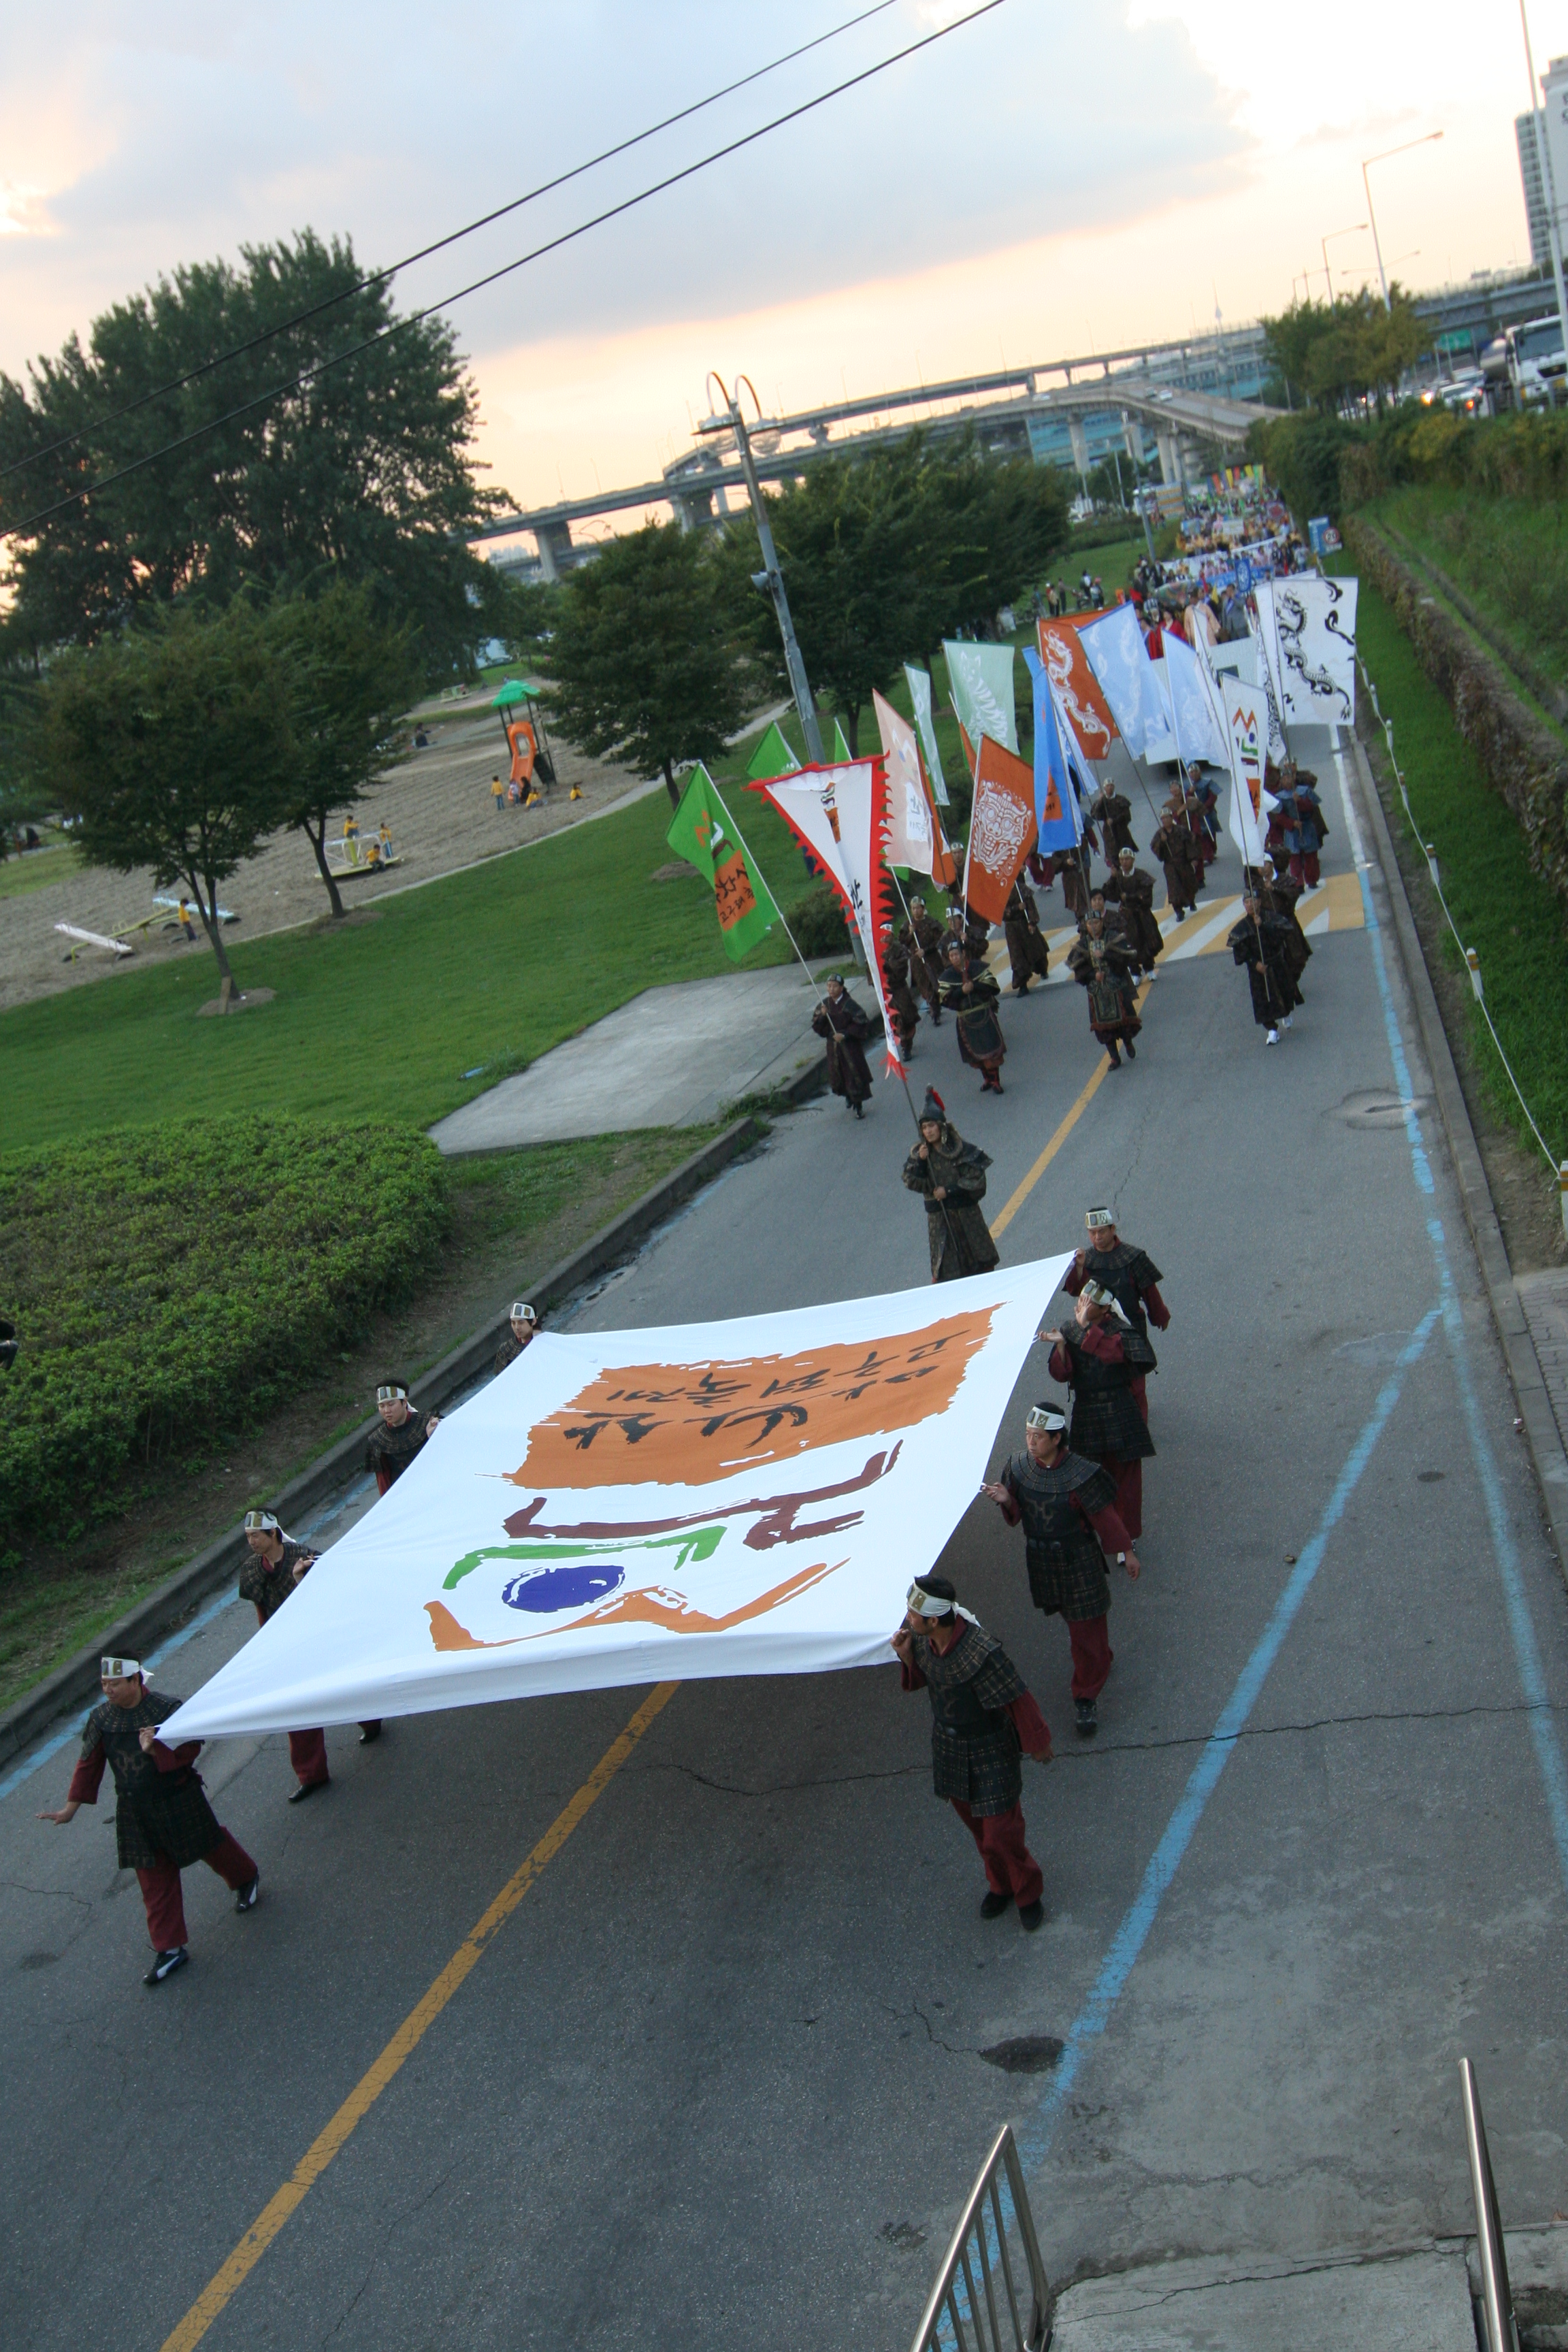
[(1534, 191), (1537, 192)]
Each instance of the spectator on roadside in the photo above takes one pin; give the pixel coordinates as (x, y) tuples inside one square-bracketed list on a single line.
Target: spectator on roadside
[(497, 793)]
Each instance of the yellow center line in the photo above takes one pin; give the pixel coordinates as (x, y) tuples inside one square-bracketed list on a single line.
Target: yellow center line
[(218, 2291), (1000, 1225)]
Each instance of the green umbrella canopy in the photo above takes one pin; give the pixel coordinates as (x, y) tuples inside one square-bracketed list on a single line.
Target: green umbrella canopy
[(516, 689)]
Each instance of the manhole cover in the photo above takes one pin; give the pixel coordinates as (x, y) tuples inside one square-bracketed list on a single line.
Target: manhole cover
[(1380, 1106), (1026, 2053)]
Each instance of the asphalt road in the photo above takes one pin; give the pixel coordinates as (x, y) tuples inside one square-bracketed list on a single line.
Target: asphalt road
[(719, 2077)]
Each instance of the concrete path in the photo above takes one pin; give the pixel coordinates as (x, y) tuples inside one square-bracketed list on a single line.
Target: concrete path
[(672, 1057), (722, 2072)]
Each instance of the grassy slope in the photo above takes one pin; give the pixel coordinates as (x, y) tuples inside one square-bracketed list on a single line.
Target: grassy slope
[(1509, 555), (1508, 914), (379, 1019)]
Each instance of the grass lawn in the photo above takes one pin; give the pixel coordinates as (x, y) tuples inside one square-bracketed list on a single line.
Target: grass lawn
[(380, 1017), (1512, 919), (1509, 555), (32, 869)]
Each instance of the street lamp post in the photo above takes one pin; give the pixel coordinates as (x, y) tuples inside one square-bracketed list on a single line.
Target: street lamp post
[(730, 419), (1543, 157), (1424, 140), (1324, 242)]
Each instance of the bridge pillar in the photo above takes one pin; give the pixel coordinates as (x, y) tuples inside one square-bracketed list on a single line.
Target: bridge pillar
[(1170, 459), (1079, 439), (554, 540), (693, 509), (1132, 434)]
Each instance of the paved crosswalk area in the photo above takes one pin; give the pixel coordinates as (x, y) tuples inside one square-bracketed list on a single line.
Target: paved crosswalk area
[(1335, 906)]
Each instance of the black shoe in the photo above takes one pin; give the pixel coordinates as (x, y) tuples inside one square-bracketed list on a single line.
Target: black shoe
[(993, 1906), (1116, 1061), (165, 1965), (1088, 1722), (247, 1896), (1130, 1049), (368, 1734), (1032, 1915), (307, 1789), (859, 1110)]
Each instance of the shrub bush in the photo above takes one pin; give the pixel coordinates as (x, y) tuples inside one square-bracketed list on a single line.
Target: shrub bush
[(168, 1283), (818, 924)]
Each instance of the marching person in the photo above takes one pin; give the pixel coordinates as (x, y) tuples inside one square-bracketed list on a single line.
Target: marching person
[(524, 1323), (970, 995), (1279, 893), (1175, 847), (1203, 798), (1099, 1356), (1103, 969), (1261, 943), (1068, 866), (1306, 829), (844, 1028), (162, 1822), (1112, 812), (982, 1718), (388, 1451), (950, 1173), (1129, 1274), (922, 935), (897, 972), (1026, 949), (274, 1567), (1068, 1506), (1130, 890)]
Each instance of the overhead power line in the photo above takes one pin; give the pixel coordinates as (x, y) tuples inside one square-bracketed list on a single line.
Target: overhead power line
[(553, 245), (382, 276)]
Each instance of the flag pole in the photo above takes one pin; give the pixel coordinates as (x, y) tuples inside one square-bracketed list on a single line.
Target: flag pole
[(763, 878)]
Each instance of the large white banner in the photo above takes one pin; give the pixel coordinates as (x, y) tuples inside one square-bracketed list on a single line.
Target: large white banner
[(981, 681), (911, 839), (1313, 639), (742, 1497), (1114, 644), (920, 702), (1246, 719), (1197, 735)]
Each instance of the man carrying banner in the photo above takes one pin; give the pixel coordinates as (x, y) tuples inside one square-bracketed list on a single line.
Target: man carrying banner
[(1101, 1356), (523, 1326), (1112, 812), (1175, 847), (921, 936), (1132, 890), (1026, 949), (951, 1174), (1260, 943), (162, 1822), (1129, 1274), (970, 995), (1104, 968), (1279, 893), (274, 1567), (906, 1012), (399, 1435), (1068, 1506), (1305, 829), (982, 1716), (844, 1029)]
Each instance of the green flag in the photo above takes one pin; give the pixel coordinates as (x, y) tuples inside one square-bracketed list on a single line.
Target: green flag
[(699, 834), (773, 757)]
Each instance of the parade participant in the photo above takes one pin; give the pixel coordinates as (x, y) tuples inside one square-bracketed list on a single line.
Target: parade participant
[(1305, 827), (950, 1173), (982, 1716), (1132, 891), (274, 1567), (1099, 1356), (1202, 800), (1261, 943), (524, 1323), (970, 995), (965, 928), (922, 935), (1103, 969), (1129, 1274), (1026, 949), (162, 1822), (1176, 850), (1112, 812), (1068, 1510), (389, 1450), (901, 1004), (1279, 893), (1067, 867), (844, 1028)]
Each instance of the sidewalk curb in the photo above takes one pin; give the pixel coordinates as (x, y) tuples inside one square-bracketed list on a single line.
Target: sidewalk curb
[(1547, 1455), (160, 1611)]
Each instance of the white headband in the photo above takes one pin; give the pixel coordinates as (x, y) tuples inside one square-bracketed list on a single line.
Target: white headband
[(120, 1670), (1096, 1217), (390, 1388), (521, 1312), (931, 1604), (1098, 1295), (1045, 1416)]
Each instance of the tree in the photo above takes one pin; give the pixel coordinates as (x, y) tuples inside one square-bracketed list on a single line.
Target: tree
[(350, 678), (644, 666), (171, 747), (363, 474), (1337, 352)]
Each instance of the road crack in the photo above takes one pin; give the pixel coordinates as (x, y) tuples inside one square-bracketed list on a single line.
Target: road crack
[(1315, 1723)]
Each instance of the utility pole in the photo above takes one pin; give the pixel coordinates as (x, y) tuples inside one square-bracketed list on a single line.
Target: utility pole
[(730, 420), (1543, 157), (1424, 140)]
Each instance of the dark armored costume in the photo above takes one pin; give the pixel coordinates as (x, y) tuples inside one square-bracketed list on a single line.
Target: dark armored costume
[(980, 1040), (921, 936), (896, 970), (1269, 941), (1068, 1514), (1133, 894), (1026, 949), (1100, 1361), (162, 1822), (266, 1587), (981, 1716), (844, 1028), (1112, 813), (1103, 969), (389, 1452), (960, 1238), (1131, 1278)]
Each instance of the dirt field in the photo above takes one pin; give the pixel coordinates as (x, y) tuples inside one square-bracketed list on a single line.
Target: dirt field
[(437, 808)]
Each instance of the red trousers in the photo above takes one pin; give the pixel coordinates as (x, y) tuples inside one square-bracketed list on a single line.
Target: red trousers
[(1010, 1867), (1304, 868), (1091, 1654), (161, 1890), (307, 1754), (1129, 1477)]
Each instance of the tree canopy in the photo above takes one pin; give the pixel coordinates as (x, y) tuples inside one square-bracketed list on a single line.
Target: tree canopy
[(350, 677), (364, 473), (171, 747), (644, 665), (1337, 354)]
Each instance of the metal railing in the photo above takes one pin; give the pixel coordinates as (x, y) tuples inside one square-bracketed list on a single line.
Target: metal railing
[(963, 2314), (1497, 2295)]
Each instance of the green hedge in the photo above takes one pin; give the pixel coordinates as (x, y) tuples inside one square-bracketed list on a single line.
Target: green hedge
[(168, 1284)]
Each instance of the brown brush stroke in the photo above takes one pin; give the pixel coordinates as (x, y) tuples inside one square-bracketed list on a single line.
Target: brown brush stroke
[(690, 1424), (775, 1527), (651, 1604)]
